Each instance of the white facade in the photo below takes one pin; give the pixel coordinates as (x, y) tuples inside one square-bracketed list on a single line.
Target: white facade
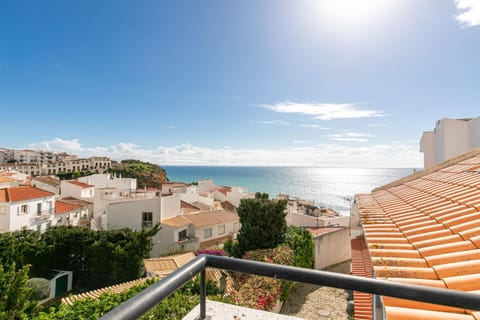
[(68, 188), (109, 181), (450, 138), (30, 214)]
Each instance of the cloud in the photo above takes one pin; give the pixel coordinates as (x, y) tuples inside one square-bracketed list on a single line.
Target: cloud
[(392, 155), (323, 111), (469, 12), (302, 141), (272, 122), (313, 126), (351, 137)]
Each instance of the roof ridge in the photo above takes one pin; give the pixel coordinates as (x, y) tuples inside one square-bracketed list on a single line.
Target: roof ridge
[(427, 171)]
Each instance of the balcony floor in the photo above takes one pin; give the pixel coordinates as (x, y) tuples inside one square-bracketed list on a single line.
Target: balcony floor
[(222, 311)]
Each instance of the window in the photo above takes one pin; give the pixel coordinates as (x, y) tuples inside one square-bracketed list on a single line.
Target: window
[(39, 209), (182, 235), (147, 219), (24, 208), (221, 229), (207, 233)]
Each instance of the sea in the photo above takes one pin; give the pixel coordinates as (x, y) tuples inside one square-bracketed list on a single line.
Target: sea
[(327, 187)]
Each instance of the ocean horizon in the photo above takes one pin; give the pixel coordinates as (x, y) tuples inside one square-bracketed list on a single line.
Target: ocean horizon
[(326, 186)]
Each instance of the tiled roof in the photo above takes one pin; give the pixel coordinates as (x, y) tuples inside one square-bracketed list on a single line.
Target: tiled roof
[(62, 207), (23, 193), (320, 231), (202, 206), (427, 231), (213, 242), (80, 184), (94, 294), (202, 219), (224, 190), (52, 181), (361, 267), (186, 205), (168, 263), (6, 179)]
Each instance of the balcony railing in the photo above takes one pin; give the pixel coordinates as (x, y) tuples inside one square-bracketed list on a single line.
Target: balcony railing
[(44, 214), (148, 298)]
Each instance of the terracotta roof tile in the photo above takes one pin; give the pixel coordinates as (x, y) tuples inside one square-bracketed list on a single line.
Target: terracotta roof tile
[(425, 229), (23, 193), (80, 184), (202, 219), (62, 207)]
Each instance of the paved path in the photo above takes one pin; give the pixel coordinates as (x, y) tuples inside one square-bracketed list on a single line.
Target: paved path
[(313, 302)]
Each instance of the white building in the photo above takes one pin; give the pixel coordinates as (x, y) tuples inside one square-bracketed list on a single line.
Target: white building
[(450, 138), (23, 208), (107, 180), (77, 189), (73, 212)]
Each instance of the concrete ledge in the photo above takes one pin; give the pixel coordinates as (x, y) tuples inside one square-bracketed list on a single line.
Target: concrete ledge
[(222, 311)]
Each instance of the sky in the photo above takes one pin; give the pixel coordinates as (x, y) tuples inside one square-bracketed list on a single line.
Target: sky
[(272, 82)]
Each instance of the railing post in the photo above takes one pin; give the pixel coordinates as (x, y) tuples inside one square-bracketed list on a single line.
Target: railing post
[(203, 295)]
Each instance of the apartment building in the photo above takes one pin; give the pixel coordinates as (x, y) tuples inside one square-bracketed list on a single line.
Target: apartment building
[(26, 208), (450, 138)]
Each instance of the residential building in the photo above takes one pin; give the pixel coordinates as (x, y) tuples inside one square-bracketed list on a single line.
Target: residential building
[(47, 183), (305, 213), (25, 207), (423, 229), (77, 189), (73, 212), (200, 230), (450, 138)]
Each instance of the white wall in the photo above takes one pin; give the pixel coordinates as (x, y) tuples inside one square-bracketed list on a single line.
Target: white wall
[(199, 233), (474, 133), (107, 181), (427, 146), (4, 217), (456, 138), (128, 214), (332, 248), (70, 190), (170, 206), (29, 220), (301, 220)]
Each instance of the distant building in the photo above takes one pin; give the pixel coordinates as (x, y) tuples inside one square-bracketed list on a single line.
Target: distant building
[(450, 138), (26, 208)]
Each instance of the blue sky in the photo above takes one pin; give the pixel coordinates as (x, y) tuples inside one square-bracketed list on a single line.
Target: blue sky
[(273, 82)]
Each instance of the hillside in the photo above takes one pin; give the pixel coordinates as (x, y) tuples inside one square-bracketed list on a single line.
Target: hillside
[(147, 174)]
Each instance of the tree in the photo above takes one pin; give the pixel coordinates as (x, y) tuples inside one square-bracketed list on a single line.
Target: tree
[(263, 224), (301, 242), (14, 293)]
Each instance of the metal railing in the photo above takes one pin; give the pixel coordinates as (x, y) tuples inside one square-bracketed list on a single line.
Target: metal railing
[(148, 298)]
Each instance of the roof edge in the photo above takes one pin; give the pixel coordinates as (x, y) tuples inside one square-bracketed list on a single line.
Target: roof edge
[(437, 167)]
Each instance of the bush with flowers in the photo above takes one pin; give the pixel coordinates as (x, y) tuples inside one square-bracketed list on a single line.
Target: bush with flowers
[(215, 252), (259, 292)]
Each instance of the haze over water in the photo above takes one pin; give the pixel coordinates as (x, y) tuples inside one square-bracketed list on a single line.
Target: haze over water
[(326, 186)]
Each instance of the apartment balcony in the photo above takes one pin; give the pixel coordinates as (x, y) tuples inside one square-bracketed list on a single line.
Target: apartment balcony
[(44, 214), (148, 298)]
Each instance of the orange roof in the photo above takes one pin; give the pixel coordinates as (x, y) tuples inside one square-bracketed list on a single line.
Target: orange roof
[(23, 193), (320, 231), (62, 207), (202, 219), (425, 229), (224, 190), (80, 184)]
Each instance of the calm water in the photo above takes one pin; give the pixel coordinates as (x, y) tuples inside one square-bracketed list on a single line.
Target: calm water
[(326, 186)]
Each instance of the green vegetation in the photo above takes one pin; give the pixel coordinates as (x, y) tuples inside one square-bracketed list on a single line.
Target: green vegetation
[(301, 242), (174, 307), (97, 258), (74, 175), (14, 293), (263, 225), (147, 174)]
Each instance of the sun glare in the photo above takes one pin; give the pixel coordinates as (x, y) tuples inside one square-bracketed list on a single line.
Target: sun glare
[(353, 13)]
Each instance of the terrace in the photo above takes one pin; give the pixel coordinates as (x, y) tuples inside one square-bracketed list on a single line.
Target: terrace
[(141, 303)]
